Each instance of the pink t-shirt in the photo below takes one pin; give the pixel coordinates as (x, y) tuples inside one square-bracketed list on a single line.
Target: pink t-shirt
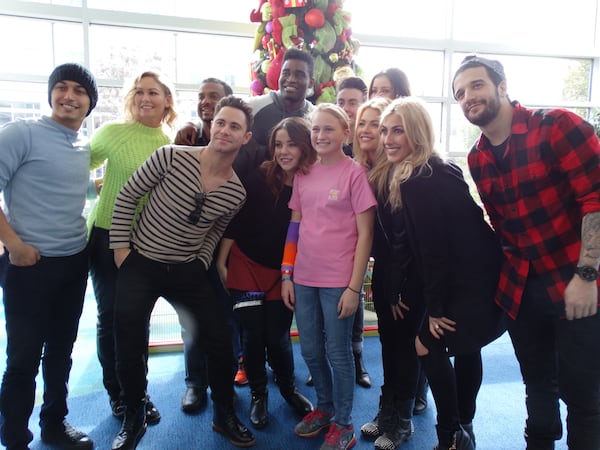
[(329, 198)]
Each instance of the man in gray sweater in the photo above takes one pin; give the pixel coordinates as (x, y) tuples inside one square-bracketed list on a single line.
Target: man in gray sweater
[(44, 172)]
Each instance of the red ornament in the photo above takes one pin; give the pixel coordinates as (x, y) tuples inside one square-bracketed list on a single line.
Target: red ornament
[(314, 18), (274, 71)]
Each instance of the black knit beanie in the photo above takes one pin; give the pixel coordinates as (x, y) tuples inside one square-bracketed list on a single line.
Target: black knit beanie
[(79, 74)]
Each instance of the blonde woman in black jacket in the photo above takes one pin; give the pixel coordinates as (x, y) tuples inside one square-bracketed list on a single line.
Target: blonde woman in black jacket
[(456, 259)]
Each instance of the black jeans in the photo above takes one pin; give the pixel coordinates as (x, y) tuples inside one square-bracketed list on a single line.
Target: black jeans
[(43, 304), (141, 281), (103, 274), (267, 327), (454, 387), (559, 359), (401, 365), (196, 370)]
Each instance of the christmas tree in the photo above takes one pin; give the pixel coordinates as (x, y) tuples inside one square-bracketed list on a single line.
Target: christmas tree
[(320, 27)]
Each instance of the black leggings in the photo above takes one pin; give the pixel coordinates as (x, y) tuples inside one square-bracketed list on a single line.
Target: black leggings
[(454, 388)]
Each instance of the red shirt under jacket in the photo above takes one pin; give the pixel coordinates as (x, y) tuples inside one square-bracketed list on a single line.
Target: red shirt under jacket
[(536, 193)]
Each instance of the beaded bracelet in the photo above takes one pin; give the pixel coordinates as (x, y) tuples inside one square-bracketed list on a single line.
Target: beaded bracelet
[(353, 290)]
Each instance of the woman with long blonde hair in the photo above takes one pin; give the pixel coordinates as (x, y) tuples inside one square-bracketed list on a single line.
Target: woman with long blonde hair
[(455, 258), (398, 303), (122, 147), (367, 144)]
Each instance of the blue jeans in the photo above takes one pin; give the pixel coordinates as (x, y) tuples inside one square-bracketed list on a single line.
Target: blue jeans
[(326, 345), (559, 359), (43, 304)]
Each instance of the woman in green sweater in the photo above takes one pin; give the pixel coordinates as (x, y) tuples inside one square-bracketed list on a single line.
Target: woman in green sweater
[(123, 147)]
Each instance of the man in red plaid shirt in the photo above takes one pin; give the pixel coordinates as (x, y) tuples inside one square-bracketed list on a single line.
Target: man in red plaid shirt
[(538, 175)]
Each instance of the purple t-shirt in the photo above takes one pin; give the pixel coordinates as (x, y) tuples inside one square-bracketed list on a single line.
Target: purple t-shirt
[(329, 198)]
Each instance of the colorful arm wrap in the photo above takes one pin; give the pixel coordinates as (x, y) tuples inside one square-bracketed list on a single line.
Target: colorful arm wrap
[(290, 249)]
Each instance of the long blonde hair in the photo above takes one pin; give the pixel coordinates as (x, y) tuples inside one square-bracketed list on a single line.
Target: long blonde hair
[(169, 116), (378, 104), (386, 177)]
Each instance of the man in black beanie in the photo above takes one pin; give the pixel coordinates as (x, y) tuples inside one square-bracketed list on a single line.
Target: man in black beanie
[(74, 72), (44, 173)]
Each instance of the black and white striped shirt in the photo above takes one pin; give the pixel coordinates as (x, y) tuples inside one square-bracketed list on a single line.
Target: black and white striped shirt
[(162, 232)]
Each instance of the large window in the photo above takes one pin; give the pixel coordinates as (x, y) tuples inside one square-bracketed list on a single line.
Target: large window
[(549, 53), (404, 19), (34, 47), (552, 27), (424, 68)]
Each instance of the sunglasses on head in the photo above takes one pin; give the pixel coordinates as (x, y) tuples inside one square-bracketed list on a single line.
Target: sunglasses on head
[(194, 216)]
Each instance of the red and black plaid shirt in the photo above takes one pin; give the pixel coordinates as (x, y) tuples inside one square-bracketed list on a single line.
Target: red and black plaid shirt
[(536, 193)]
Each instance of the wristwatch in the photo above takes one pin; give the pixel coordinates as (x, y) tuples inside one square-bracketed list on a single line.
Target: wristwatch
[(587, 273)]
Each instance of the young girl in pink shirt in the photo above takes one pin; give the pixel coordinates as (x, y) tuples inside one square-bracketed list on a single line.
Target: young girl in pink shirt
[(332, 230)]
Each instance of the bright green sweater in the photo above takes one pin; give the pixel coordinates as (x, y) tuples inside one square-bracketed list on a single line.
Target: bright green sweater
[(124, 147)]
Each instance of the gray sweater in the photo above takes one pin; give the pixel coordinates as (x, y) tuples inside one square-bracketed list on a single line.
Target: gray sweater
[(44, 173)]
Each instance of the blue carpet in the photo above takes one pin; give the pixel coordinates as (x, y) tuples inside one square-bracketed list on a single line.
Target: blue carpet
[(498, 423)]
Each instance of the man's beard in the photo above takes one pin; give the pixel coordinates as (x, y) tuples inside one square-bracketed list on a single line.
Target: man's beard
[(489, 113)]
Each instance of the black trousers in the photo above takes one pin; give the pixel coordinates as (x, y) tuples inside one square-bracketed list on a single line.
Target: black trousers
[(42, 304), (559, 359), (454, 387), (141, 281), (267, 327), (103, 274), (401, 365)]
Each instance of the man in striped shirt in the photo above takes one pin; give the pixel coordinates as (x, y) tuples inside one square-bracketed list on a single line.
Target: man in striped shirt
[(193, 193)]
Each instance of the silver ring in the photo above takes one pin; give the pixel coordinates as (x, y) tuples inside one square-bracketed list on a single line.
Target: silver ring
[(437, 327)]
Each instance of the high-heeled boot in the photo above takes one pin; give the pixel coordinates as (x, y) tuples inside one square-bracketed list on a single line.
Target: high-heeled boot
[(259, 413), (362, 376)]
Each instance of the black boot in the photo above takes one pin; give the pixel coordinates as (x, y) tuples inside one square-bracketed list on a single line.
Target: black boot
[(63, 435), (468, 427), (301, 405), (370, 430), (132, 430), (259, 414), (287, 387), (226, 423), (396, 425), (362, 376), (453, 440)]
